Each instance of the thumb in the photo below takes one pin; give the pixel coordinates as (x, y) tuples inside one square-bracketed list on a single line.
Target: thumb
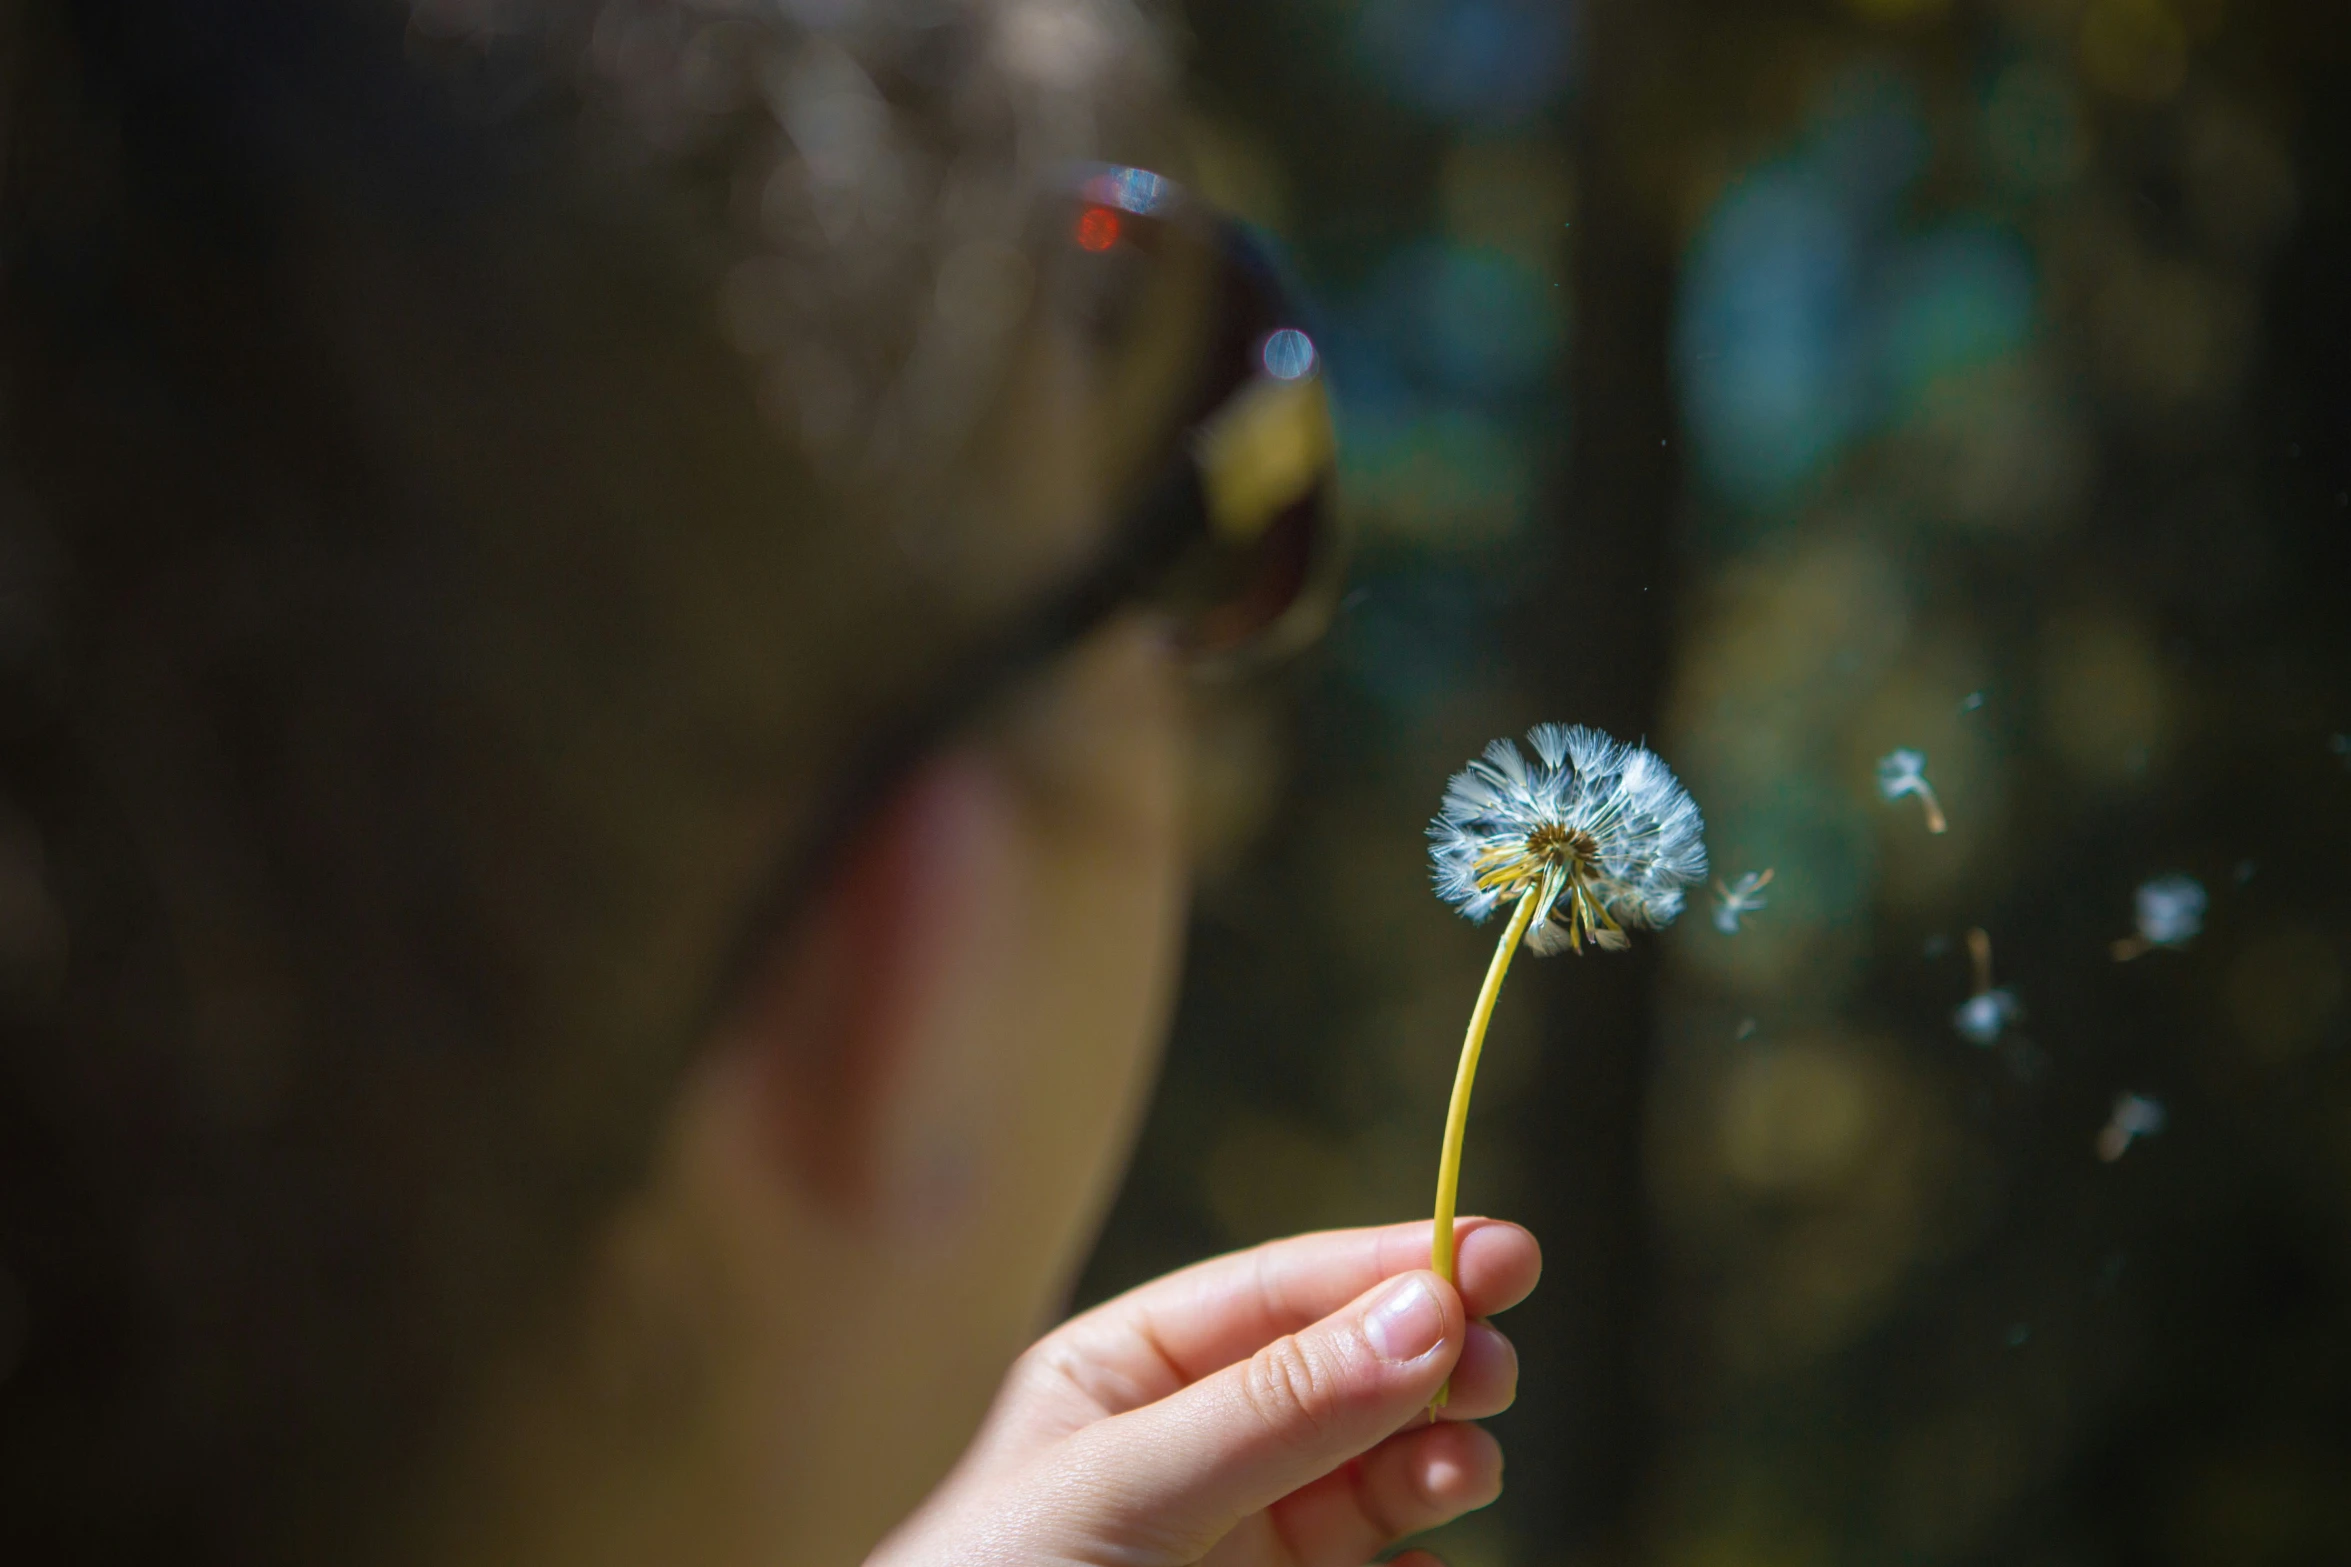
[(1167, 1481)]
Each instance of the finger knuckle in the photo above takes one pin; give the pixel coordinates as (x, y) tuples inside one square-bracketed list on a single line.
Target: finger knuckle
[(1054, 1370), (1043, 1365), (1293, 1390)]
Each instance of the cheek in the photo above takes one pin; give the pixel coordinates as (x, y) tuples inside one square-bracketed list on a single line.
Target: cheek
[(1018, 1125), (1107, 913)]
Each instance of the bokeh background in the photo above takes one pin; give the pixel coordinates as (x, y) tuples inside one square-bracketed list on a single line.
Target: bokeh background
[(1786, 383)]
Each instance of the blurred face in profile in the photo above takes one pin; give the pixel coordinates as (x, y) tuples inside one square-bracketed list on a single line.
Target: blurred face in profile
[(571, 441), (878, 1180), (876, 1189)]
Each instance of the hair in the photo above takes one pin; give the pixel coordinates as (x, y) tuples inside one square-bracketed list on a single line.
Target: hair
[(450, 465)]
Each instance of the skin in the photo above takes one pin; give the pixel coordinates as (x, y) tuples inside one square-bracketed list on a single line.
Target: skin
[(788, 1340), (878, 1181), (813, 1337)]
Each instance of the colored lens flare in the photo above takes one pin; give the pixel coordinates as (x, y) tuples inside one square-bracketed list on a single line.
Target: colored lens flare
[(1098, 228)]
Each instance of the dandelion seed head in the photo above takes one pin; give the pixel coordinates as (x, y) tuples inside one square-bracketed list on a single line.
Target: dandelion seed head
[(1601, 830), (1664, 906), (2170, 910)]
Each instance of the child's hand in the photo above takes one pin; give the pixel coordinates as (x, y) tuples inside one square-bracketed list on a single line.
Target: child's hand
[(1266, 1409)]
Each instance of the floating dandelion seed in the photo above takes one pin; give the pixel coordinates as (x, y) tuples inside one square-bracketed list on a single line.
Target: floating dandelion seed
[(2169, 912), (1590, 840), (1738, 898), (2135, 1116), (1903, 771), (1982, 1016)]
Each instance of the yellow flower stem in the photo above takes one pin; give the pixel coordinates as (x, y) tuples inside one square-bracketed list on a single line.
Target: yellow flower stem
[(1457, 1113)]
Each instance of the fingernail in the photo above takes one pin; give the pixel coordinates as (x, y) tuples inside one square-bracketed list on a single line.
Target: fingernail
[(1406, 1323)]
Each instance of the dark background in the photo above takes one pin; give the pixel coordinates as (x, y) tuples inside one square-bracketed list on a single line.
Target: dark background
[(1786, 383)]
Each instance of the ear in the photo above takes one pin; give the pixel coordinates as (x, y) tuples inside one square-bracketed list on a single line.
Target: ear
[(832, 1026)]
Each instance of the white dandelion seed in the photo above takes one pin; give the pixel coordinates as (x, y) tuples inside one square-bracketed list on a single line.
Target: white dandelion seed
[(1903, 771), (2168, 911), (1600, 831), (2135, 1116), (1740, 897), (1982, 1017)]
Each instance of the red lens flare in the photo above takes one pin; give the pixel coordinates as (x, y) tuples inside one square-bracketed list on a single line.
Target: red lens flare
[(1097, 228)]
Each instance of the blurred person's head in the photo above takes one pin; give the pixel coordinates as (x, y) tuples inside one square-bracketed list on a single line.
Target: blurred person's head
[(507, 1048)]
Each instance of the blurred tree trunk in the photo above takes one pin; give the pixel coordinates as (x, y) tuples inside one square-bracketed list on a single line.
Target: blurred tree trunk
[(1601, 642)]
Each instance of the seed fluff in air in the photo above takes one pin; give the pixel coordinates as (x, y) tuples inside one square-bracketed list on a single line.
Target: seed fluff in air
[(2135, 1116), (2169, 911), (1742, 895), (1903, 771), (1983, 1016)]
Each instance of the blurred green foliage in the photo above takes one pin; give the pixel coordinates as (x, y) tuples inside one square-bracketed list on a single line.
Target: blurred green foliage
[(2001, 410)]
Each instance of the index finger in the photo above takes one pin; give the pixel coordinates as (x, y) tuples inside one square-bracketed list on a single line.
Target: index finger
[(1175, 1330)]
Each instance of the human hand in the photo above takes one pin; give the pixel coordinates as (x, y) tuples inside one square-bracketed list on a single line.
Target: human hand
[(1263, 1409)]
